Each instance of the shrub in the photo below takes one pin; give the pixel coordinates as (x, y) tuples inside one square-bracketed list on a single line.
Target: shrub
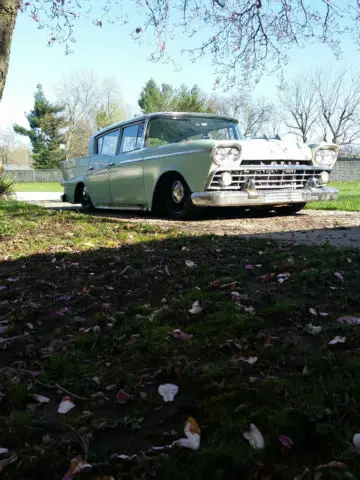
[(6, 187)]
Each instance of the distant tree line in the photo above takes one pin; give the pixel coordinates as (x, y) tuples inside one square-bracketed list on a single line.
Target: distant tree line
[(317, 106)]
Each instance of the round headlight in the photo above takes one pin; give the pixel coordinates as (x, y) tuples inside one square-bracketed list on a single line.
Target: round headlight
[(234, 155), (226, 179), (220, 155), (326, 157), (324, 178)]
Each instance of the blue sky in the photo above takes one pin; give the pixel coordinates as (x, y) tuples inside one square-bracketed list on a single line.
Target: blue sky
[(110, 51)]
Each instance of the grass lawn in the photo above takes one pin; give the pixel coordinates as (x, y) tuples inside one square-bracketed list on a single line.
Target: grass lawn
[(349, 198), (87, 305), (38, 187)]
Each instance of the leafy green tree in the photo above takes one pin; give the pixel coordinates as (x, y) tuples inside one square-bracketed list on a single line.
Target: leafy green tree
[(45, 134), (154, 98), (191, 100)]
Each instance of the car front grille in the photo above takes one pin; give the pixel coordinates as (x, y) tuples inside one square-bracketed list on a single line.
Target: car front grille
[(266, 179)]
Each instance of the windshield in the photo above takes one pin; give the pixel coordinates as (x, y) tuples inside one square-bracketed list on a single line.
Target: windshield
[(163, 130)]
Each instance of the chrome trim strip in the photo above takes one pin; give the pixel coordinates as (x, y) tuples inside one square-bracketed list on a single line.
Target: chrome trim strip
[(176, 154), (243, 198), (136, 208), (273, 167)]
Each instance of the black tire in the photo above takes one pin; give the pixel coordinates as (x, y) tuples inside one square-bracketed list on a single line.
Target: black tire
[(173, 198), (86, 202), (289, 209)]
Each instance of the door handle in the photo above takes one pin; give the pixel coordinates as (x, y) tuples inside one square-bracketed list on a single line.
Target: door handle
[(111, 164), (91, 168)]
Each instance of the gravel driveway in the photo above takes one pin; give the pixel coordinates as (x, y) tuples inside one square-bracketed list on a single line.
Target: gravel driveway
[(312, 227)]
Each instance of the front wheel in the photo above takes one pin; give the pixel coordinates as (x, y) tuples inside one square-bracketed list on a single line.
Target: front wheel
[(290, 209), (174, 198)]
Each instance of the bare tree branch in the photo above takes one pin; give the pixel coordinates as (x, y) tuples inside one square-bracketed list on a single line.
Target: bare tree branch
[(339, 104), (297, 99)]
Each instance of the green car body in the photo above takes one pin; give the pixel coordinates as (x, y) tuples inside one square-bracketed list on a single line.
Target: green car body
[(173, 162)]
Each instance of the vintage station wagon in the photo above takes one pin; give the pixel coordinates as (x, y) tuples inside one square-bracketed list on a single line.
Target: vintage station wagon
[(172, 163)]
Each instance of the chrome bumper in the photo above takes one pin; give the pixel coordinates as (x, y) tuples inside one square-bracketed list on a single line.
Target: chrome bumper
[(262, 197)]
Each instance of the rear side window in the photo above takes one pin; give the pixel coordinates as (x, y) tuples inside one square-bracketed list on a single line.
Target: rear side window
[(107, 144), (132, 138)]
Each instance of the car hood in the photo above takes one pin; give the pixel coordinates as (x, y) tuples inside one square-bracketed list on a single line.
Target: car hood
[(257, 149)]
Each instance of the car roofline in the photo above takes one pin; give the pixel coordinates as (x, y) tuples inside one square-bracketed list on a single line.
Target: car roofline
[(148, 116)]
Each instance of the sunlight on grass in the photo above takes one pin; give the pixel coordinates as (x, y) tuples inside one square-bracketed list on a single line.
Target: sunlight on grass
[(38, 187), (349, 198)]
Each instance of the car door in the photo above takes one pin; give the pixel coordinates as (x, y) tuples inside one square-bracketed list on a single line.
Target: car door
[(98, 171), (126, 175)]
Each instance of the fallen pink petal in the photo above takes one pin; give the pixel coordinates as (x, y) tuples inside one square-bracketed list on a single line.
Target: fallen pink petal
[(286, 441), (122, 397), (349, 320), (62, 312), (180, 335), (77, 465)]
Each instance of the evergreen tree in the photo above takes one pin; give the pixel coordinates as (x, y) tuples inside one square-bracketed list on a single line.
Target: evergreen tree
[(45, 134), (191, 100), (167, 99), (150, 97)]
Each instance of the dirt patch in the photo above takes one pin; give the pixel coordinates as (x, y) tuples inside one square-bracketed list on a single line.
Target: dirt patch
[(309, 227)]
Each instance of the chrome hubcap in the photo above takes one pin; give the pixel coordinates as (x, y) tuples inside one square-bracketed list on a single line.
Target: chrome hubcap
[(178, 191)]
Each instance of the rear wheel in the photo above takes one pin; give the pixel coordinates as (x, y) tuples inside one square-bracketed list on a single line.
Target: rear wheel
[(173, 198), (290, 209), (85, 200)]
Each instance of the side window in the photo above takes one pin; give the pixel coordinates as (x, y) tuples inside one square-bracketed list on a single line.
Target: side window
[(132, 138), (99, 143), (106, 144)]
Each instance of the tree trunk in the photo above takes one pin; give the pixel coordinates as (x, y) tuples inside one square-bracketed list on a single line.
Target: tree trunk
[(8, 13)]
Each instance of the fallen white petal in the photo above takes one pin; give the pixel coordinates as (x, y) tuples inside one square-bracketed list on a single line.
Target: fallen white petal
[(122, 456), (190, 263), (254, 437), (192, 442), (168, 391), (313, 329), (356, 441), (336, 340), (250, 310), (251, 360), (339, 276), (196, 308), (41, 398), (313, 311), (66, 405)]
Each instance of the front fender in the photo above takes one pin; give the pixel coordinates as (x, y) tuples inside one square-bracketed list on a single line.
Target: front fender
[(192, 162)]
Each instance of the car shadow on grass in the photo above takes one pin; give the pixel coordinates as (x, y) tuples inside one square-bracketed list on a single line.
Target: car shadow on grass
[(98, 321)]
